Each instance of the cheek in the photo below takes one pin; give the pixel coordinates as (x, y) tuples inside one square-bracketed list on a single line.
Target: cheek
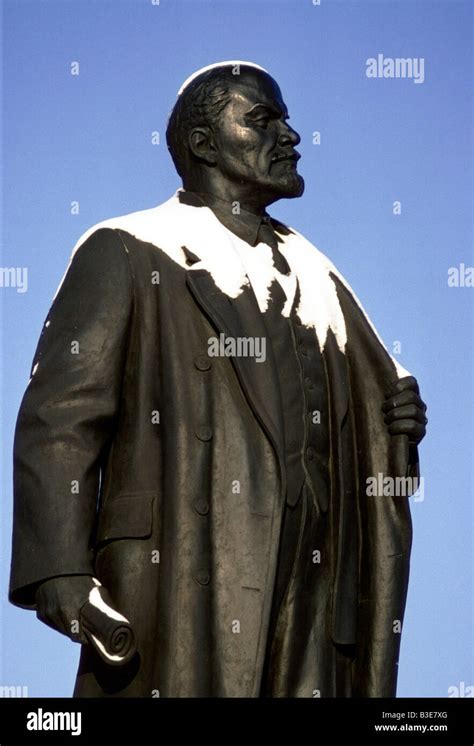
[(254, 161), (246, 152)]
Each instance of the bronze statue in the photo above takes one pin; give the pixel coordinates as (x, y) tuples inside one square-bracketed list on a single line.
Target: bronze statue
[(208, 401)]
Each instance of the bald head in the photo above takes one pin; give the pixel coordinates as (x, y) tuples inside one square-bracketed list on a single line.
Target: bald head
[(201, 100), (228, 135)]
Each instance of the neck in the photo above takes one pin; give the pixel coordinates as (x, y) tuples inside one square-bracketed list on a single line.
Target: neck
[(227, 192)]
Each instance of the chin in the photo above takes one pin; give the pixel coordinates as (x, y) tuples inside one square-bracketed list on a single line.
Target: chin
[(286, 187), (291, 187), (299, 187)]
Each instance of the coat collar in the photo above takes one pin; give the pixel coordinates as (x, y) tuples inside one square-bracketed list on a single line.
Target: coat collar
[(244, 224)]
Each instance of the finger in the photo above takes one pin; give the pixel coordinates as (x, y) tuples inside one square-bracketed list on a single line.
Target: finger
[(414, 430), (409, 412), (405, 384), (57, 619), (401, 400)]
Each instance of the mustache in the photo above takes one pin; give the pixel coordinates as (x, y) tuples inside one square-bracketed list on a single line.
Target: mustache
[(288, 155)]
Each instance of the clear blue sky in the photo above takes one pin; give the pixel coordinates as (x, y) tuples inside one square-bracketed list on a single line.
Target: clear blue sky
[(88, 138)]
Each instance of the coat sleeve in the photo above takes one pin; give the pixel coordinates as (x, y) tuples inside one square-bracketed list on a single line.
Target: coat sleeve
[(67, 415)]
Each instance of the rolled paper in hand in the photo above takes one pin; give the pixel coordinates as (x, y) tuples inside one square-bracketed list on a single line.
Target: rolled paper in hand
[(106, 629)]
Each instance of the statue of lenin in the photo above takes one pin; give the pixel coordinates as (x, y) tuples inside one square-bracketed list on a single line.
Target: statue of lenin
[(207, 405)]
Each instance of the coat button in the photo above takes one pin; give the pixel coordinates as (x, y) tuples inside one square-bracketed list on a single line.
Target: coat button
[(202, 362), (204, 432), (303, 350), (309, 383), (203, 577), (310, 453), (201, 507)]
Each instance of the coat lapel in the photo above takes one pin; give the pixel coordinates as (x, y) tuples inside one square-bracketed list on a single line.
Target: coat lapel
[(238, 318)]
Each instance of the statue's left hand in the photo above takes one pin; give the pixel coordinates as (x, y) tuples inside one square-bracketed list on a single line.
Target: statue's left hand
[(405, 411)]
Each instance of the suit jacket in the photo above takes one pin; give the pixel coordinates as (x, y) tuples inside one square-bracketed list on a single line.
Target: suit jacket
[(129, 442)]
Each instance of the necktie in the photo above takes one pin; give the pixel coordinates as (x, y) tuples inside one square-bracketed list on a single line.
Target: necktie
[(266, 234)]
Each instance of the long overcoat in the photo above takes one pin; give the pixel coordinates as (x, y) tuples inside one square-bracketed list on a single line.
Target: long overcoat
[(145, 462)]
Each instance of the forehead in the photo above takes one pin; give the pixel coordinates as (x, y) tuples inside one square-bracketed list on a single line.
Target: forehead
[(252, 88)]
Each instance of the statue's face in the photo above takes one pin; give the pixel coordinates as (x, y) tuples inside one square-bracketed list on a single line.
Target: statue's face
[(254, 140)]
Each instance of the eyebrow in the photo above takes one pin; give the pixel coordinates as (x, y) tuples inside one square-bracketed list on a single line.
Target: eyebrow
[(276, 112)]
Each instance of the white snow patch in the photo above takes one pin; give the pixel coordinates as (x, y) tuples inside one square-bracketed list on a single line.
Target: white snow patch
[(96, 600), (225, 63), (235, 265), (105, 651)]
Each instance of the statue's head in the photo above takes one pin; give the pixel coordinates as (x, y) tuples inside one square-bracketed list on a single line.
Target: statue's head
[(229, 127)]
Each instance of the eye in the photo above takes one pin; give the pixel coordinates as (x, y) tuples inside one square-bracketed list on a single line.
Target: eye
[(262, 122)]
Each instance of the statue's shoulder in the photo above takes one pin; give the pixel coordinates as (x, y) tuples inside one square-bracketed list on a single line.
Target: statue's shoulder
[(149, 225)]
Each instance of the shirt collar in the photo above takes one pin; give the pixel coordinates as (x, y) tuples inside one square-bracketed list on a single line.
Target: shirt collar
[(245, 224)]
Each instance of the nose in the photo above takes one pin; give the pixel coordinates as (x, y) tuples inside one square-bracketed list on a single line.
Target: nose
[(288, 135)]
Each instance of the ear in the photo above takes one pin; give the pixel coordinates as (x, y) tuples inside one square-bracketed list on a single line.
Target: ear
[(202, 146)]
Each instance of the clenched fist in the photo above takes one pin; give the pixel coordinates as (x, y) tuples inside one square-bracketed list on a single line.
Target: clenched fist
[(405, 411), (59, 601)]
